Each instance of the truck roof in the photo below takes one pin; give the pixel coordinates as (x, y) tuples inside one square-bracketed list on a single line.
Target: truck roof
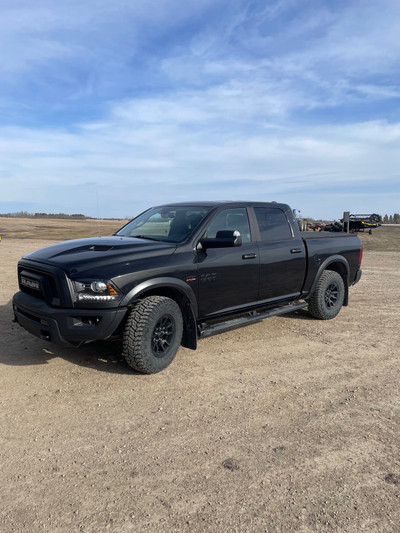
[(227, 203)]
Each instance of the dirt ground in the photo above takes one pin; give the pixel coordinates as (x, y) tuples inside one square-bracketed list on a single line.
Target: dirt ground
[(291, 424)]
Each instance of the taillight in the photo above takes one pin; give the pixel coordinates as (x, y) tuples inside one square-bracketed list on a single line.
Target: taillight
[(361, 256)]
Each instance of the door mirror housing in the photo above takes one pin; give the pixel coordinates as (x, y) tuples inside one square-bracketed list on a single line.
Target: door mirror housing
[(223, 239)]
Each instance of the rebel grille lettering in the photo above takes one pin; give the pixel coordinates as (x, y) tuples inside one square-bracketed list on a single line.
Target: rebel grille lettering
[(208, 277)]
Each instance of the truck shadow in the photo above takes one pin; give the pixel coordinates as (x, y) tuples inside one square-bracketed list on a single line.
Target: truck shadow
[(19, 348), (300, 314)]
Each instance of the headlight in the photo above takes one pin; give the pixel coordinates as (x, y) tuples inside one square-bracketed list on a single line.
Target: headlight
[(94, 291)]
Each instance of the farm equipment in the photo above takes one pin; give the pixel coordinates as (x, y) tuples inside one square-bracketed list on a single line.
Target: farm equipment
[(364, 222), (355, 223)]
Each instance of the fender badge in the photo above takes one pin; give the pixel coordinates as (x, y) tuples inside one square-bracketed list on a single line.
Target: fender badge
[(191, 279)]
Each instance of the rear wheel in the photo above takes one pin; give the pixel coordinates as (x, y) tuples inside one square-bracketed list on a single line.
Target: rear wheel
[(152, 334), (328, 297)]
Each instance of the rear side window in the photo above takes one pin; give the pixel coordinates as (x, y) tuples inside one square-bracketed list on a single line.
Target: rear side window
[(273, 224)]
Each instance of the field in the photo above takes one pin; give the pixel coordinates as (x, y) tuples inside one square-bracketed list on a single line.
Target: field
[(56, 229), (290, 424)]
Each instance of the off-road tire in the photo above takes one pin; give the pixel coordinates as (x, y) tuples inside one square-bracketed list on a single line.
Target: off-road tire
[(328, 297), (152, 334)]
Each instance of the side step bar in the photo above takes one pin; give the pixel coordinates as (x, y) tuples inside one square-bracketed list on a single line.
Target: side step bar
[(206, 330)]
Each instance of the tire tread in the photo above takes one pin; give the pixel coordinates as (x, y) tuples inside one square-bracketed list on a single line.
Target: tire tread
[(134, 331), (316, 304)]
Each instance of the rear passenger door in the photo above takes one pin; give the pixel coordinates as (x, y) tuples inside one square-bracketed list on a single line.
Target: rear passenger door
[(282, 256)]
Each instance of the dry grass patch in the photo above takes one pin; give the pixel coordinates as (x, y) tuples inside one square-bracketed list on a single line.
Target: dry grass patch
[(56, 229), (382, 239)]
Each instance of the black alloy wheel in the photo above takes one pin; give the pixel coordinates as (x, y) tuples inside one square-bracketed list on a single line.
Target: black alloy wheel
[(331, 295), (163, 335)]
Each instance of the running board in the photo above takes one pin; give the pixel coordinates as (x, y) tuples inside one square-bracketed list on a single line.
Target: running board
[(206, 330)]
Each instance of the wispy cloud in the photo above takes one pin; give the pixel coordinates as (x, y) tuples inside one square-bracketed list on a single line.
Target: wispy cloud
[(139, 103)]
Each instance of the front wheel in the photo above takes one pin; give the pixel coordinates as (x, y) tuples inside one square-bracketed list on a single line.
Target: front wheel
[(328, 297), (152, 334)]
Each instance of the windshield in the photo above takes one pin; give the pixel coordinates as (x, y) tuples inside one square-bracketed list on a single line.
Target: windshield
[(168, 224)]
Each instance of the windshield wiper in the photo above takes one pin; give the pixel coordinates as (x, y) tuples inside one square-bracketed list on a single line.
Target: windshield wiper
[(145, 237)]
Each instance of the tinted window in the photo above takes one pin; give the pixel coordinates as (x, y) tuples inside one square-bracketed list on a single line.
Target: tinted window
[(273, 224), (232, 219)]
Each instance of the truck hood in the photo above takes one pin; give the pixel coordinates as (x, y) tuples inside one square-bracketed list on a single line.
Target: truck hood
[(88, 256)]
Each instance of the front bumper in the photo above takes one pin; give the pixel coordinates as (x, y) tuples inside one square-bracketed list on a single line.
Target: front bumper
[(67, 327)]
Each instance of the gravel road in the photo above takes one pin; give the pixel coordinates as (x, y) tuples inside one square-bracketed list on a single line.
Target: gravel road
[(290, 424)]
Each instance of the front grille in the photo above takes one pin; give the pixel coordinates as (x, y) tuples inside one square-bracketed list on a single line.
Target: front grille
[(53, 287), (39, 283)]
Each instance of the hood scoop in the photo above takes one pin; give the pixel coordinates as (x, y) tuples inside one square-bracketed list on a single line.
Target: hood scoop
[(86, 248), (100, 247)]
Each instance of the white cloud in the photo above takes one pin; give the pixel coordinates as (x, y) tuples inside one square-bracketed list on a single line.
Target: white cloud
[(206, 100), (44, 31), (165, 158), (322, 57)]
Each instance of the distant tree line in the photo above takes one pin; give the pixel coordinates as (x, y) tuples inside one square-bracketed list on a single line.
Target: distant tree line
[(391, 219), (387, 219), (25, 214)]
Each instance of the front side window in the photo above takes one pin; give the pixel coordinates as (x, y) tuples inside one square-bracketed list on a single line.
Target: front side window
[(168, 224), (231, 219), (273, 224)]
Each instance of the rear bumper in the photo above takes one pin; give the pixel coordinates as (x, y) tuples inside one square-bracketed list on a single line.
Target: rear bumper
[(358, 276), (67, 327)]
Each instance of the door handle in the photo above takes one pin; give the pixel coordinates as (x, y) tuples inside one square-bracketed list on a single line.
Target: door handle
[(296, 251), (249, 256)]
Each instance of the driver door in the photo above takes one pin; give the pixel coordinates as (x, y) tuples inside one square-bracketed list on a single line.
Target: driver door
[(228, 277)]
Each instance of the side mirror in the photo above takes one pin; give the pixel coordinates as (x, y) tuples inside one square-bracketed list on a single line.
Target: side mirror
[(223, 239)]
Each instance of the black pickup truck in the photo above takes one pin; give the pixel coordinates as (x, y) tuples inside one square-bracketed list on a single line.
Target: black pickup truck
[(180, 272)]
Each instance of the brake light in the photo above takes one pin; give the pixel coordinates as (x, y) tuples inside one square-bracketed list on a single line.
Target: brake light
[(361, 256)]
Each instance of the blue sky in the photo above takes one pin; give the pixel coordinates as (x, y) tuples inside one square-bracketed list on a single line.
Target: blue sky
[(107, 108)]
